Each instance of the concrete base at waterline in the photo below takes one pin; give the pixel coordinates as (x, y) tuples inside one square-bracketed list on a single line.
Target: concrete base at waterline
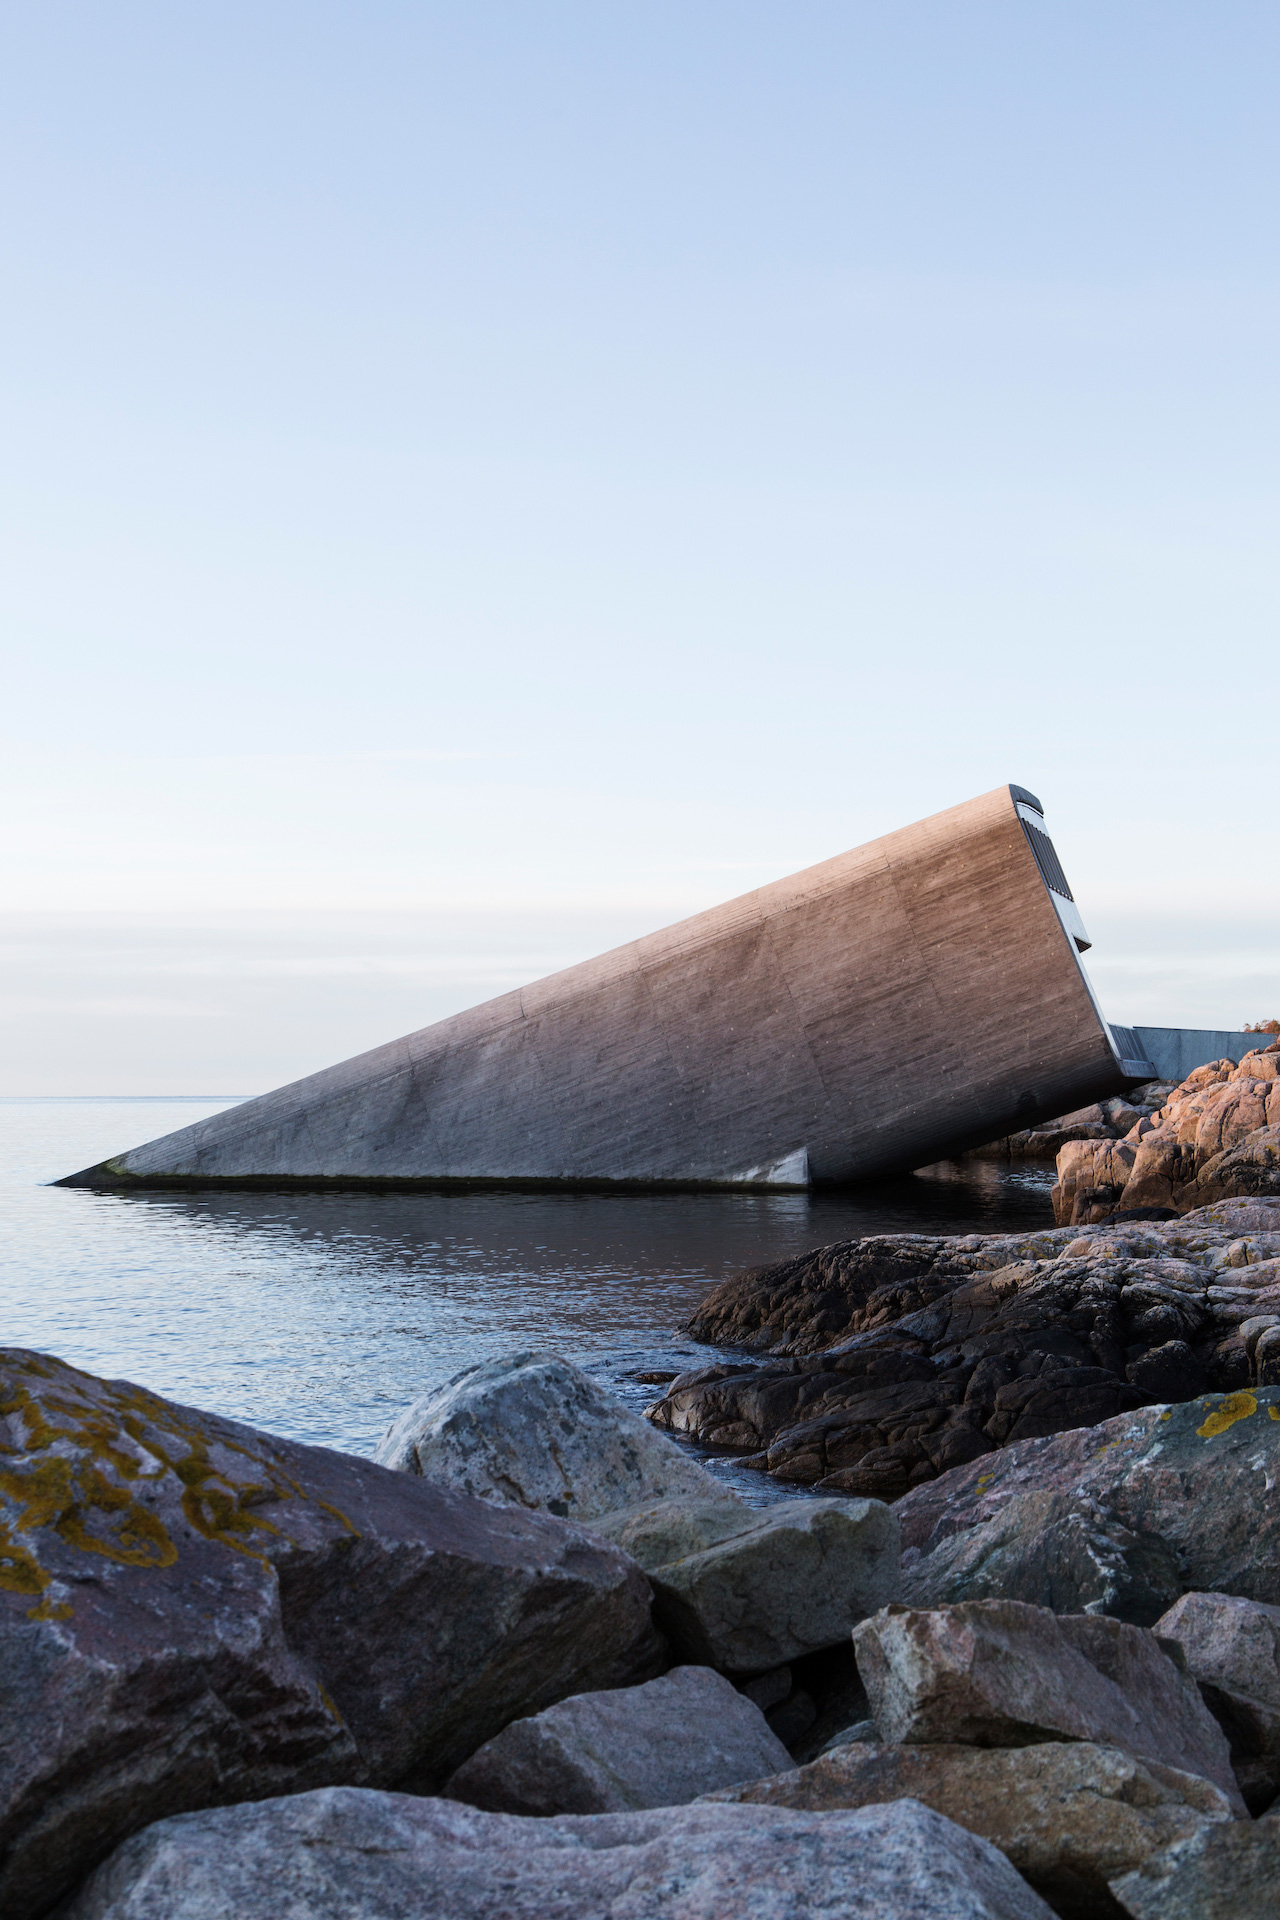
[(901, 1002)]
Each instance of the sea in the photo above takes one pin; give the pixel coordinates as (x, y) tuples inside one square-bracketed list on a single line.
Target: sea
[(320, 1316)]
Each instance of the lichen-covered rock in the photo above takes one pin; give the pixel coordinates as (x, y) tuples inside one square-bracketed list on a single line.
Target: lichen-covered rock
[(1232, 1650), (998, 1673), (344, 1854), (899, 1358), (1220, 1873), (532, 1430), (1196, 1481), (1069, 1816), (193, 1612), (657, 1745)]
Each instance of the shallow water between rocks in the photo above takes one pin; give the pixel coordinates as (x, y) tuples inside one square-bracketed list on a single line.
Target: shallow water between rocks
[(319, 1316)]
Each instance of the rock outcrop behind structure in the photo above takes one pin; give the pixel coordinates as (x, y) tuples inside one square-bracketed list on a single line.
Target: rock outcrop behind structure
[(1107, 1119), (896, 1358), (1215, 1137), (192, 1612)]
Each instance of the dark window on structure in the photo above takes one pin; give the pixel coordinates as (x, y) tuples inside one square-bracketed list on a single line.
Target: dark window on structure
[(1047, 860)]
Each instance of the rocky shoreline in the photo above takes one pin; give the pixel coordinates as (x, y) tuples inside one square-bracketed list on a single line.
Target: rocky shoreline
[(1020, 1655), (535, 1661)]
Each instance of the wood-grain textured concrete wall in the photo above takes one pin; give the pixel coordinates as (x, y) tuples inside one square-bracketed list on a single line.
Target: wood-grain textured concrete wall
[(902, 1001)]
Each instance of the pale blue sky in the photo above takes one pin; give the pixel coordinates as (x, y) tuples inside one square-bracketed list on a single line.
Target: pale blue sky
[(480, 482)]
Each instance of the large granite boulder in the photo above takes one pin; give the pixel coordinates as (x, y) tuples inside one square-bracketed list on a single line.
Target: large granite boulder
[(656, 1745), (899, 1358), (998, 1673), (532, 1430), (1183, 1487), (734, 1587), (192, 1612), (1069, 1817), (1220, 1873), (1216, 1136), (347, 1854), (1232, 1650)]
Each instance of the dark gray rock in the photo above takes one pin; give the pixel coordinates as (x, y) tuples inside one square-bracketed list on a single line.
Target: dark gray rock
[(192, 1612), (997, 1673), (1220, 1873), (1232, 1650), (899, 1358), (1188, 1484), (344, 1854), (657, 1745)]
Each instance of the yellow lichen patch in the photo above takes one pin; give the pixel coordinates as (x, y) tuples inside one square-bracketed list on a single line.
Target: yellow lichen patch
[(50, 1610), (1236, 1406), (20, 1571), (140, 1540), (1274, 1412), (84, 1448)]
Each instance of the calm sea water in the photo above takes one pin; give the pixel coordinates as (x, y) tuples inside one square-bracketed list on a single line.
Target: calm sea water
[(319, 1316)]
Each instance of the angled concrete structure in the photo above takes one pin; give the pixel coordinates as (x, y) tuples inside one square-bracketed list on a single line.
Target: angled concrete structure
[(903, 1001)]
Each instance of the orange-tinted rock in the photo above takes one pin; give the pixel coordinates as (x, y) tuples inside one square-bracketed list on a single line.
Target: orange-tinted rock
[(1216, 1137)]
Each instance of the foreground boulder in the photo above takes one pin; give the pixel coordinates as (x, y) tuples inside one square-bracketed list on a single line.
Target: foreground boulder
[(1221, 1873), (657, 1745), (997, 1673), (192, 1612), (1182, 1488), (343, 1854), (735, 1588), (901, 1357), (1232, 1650), (1215, 1137), (1068, 1817)]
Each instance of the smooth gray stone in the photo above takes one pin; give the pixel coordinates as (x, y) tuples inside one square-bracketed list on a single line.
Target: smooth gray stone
[(344, 1854), (533, 1430), (1220, 1873), (669, 1530), (799, 1579), (657, 1745), (907, 999)]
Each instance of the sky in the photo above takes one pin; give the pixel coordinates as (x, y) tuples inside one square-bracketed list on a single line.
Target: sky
[(479, 483)]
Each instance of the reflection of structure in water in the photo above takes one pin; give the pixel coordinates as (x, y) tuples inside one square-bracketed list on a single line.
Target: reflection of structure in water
[(903, 1001)]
